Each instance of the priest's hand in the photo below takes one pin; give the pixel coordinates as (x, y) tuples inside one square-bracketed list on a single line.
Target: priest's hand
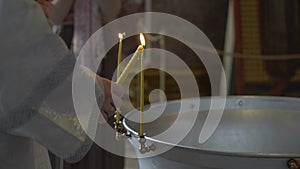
[(112, 97)]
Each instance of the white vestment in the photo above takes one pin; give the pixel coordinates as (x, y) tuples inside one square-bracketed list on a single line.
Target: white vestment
[(36, 107)]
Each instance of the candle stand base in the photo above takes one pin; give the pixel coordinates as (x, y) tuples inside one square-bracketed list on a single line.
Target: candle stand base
[(143, 147), (121, 132)]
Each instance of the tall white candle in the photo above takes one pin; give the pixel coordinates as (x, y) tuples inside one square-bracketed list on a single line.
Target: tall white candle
[(142, 91), (142, 88)]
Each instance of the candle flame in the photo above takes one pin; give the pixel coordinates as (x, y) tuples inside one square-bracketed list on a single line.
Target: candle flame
[(142, 39), (121, 35)]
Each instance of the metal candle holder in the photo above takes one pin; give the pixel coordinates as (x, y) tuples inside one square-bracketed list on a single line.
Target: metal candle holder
[(121, 132), (143, 147), (293, 164)]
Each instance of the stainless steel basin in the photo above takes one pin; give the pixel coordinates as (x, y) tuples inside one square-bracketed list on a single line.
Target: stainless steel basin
[(255, 132)]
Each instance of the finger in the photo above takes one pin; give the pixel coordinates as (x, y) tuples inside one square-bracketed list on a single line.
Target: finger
[(107, 106), (109, 114), (106, 114)]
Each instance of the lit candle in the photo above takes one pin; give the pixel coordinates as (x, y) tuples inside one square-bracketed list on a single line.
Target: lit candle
[(130, 64), (143, 42)]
